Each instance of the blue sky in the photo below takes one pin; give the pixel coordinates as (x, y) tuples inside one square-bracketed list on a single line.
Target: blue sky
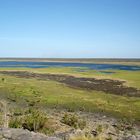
[(70, 28)]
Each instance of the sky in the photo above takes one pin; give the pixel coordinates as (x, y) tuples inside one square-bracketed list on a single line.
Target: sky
[(70, 28)]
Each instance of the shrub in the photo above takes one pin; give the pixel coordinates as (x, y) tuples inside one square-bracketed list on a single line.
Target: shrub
[(15, 123), (35, 121), (3, 79), (73, 120), (48, 131)]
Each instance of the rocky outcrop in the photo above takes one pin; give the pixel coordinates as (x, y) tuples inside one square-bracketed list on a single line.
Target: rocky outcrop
[(20, 134)]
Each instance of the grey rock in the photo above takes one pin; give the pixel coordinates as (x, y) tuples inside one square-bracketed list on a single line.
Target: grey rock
[(20, 134), (130, 138), (53, 138)]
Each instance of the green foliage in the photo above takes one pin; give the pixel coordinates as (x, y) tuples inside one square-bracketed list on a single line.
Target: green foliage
[(73, 120), (110, 138), (48, 131), (34, 121), (50, 94), (15, 122), (1, 118), (3, 79)]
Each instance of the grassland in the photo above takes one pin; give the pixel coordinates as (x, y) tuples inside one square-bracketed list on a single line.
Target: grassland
[(131, 77), (50, 94)]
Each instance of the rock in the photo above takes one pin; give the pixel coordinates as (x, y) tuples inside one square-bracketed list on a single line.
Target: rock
[(77, 133), (53, 138), (20, 134), (65, 135), (130, 138)]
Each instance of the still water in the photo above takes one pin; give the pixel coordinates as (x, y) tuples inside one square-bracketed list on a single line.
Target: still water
[(13, 64)]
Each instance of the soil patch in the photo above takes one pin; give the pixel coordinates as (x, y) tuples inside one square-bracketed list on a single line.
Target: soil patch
[(106, 85)]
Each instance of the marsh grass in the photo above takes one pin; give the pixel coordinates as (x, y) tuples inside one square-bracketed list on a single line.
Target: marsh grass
[(73, 120), (50, 94)]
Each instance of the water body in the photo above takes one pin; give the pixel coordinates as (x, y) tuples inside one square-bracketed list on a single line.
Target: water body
[(22, 64)]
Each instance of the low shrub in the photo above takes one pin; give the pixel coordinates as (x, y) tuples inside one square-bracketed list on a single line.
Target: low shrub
[(15, 122), (3, 79), (73, 120), (34, 121)]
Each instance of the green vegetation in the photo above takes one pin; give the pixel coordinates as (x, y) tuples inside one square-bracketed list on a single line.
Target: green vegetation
[(73, 120), (32, 120), (131, 77), (27, 103), (50, 94)]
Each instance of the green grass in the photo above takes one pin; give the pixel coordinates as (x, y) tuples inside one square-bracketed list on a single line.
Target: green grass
[(50, 94), (132, 78)]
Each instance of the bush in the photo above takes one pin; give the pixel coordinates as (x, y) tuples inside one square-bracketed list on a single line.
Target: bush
[(35, 121), (73, 120), (15, 122), (3, 79)]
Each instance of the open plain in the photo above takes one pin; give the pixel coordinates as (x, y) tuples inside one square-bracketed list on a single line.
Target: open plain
[(99, 97)]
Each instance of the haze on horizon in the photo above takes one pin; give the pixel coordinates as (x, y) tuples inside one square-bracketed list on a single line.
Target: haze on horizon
[(70, 28)]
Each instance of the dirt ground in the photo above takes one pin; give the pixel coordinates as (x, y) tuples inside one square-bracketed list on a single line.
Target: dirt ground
[(105, 85)]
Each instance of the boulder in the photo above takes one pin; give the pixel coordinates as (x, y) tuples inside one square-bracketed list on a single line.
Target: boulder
[(20, 134)]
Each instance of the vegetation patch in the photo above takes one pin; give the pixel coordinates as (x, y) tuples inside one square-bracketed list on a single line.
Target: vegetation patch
[(73, 120), (105, 85), (33, 121), (33, 92)]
